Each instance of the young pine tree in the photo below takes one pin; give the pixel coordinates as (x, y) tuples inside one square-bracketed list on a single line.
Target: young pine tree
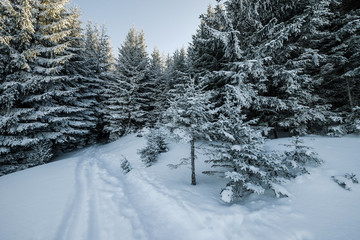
[(300, 156), (241, 157), (189, 118), (155, 145)]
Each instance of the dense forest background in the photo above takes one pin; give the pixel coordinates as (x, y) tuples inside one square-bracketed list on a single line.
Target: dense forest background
[(269, 67)]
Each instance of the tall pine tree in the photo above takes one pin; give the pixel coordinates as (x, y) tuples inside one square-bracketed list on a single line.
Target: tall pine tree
[(131, 105)]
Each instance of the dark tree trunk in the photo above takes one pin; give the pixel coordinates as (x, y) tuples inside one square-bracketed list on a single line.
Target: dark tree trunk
[(349, 93), (276, 136), (192, 156)]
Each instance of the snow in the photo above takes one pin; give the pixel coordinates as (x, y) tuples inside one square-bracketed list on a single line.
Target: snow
[(86, 195)]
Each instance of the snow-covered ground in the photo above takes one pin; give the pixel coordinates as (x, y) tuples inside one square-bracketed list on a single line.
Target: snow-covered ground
[(86, 196)]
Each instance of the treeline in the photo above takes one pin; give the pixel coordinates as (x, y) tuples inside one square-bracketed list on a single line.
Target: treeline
[(289, 66)]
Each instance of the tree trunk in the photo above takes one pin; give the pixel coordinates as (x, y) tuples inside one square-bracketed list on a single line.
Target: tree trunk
[(349, 93), (192, 156), (276, 136), (128, 124)]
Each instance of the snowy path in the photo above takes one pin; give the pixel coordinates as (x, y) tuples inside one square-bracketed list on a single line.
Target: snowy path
[(100, 209), (110, 205), (86, 196)]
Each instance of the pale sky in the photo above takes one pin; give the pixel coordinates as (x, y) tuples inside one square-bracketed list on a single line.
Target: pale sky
[(168, 24)]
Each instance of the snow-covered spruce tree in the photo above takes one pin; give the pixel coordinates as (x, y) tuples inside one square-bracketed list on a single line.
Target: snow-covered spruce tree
[(131, 105), (158, 81), (98, 50), (177, 74), (189, 118), (274, 60), (300, 157), (342, 70), (217, 42), (84, 98), (240, 154), (44, 115), (353, 121), (125, 165), (286, 77), (101, 79), (150, 87), (52, 91), (4, 38), (22, 142), (295, 77), (205, 52), (208, 61), (155, 145), (166, 80)]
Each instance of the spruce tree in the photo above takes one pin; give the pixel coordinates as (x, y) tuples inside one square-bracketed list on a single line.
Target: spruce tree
[(296, 78), (23, 143), (263, 49), (178, 73), (45, 107), (189, 118), (205, 52), (51, 90), (300, 156), (132, 104), (341, 73), (157, 85), (155, 145), (100, 79), (84, 98), (240, 154)]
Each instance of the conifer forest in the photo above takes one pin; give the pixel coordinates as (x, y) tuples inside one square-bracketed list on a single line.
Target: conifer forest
[(254, 69), (250, 131)]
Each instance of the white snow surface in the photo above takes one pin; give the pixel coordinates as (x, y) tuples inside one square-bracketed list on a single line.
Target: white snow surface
[(85, 195)]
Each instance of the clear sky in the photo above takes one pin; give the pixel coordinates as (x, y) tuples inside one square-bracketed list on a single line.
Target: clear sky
[(168, 24)]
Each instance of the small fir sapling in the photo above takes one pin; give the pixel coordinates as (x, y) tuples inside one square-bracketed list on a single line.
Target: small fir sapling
[(125, 165), (189, 116), (349, 124), (255, 170), (300, 156), (241, 156), (346, 181), (337, 126), (354, 120), (337, 130), (155, 145)]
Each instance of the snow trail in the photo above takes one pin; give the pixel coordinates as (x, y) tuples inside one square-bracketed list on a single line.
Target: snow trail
[(100, 208), (72, 217), (110, 205)]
